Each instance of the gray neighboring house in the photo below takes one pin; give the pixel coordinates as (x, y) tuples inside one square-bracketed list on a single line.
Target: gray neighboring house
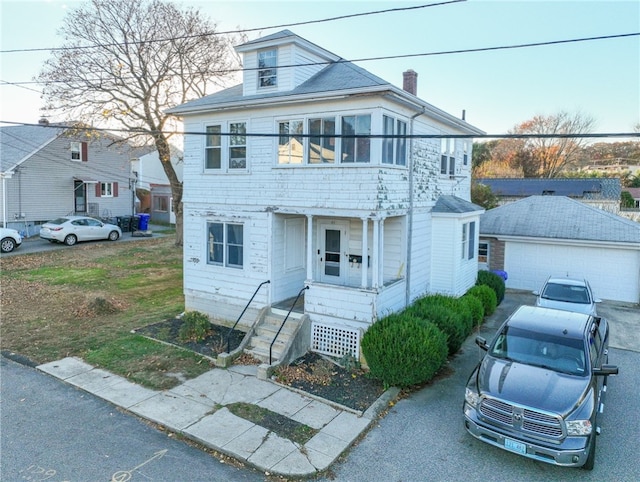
[(540, 236), (52, 170), (603, 193)]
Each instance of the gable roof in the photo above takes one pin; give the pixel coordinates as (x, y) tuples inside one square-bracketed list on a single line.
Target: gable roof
[(558, 217), (339, 77), (587, 188), (17, 143)]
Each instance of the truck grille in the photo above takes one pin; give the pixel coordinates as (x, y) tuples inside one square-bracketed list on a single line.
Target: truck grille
[(522, 419)]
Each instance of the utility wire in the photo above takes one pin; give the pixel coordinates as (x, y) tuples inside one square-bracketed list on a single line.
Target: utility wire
[(349, 136), (294, 24), (388, 57)]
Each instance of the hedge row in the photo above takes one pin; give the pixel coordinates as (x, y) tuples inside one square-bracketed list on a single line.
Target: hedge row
[(408, 348)]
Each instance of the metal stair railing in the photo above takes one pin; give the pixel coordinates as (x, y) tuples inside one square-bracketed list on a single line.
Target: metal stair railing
[(284, 321), (228, 338)]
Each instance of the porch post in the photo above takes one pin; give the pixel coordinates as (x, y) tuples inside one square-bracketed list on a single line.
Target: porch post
[(310, 256), (365, 255), (375, 253)]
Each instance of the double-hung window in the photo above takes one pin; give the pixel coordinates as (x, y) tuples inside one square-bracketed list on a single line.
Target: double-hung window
[(106, 189), (267, 71), (356, 149), (290, 142), (394, 142), (322, 146), (468, 240), (225, 244), (225, 146), (447, 157)]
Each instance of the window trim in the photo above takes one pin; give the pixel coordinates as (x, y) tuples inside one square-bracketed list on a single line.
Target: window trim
[(104, 191), (226, 245), (226, 137), (271, 68), (447, 157)]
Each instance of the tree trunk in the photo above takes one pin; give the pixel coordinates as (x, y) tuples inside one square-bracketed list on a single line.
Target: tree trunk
[(164, 153)]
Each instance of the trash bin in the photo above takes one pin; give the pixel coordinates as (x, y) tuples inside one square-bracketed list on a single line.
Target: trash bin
[(135, 223), (502, 274), (143, 223)]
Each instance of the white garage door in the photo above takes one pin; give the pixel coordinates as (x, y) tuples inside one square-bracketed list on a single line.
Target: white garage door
[(614, 274)]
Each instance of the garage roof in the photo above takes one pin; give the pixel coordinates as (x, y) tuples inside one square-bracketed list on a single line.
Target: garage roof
[(558, 217)]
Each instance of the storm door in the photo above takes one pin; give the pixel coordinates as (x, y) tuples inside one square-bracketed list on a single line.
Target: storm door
[(332, 253), (80, 196)]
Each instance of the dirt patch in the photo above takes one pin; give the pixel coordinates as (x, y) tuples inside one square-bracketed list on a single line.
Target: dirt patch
[(214, 344), (317, 375)]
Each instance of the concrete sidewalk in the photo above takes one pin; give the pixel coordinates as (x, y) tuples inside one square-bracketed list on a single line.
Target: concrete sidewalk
[(196, 409)]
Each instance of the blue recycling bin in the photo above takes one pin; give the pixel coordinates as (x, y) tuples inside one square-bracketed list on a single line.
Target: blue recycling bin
[(502, 274), (143, 224)]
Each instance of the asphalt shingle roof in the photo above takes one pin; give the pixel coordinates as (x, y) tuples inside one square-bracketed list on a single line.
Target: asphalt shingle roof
[(558, 217), (18, 142), (454, 205), (596, 188)]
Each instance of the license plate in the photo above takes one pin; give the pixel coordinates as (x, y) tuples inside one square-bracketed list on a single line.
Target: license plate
[(514, 446)]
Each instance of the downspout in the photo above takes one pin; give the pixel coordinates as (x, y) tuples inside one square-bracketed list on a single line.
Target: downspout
[(410, 223), (4, 201)]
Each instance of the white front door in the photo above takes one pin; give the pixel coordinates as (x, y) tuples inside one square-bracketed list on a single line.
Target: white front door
[(333, 253)]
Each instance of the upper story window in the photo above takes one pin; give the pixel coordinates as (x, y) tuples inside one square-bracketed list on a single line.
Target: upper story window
[(78, 151), (226, 152), (465, 152), (322, 149), (447, 157), (290, 142), (394, 149), (267, 71), (356, 149)]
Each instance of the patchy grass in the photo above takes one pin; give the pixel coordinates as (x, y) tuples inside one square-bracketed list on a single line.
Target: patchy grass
[(279, 424), (85, 301)]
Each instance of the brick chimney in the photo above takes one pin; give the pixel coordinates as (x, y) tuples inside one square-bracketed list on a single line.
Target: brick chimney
[(410, 81)]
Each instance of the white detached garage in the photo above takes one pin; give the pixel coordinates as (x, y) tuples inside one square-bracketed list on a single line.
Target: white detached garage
[(539, 236)]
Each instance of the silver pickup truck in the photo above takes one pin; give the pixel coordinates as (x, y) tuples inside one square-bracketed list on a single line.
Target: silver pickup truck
[(540, 386)]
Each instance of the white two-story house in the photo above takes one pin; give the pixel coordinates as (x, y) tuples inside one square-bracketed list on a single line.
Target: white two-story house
[(314, 173)]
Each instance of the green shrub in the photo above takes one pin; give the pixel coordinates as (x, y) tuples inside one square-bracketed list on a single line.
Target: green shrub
[(403, 350), (493, 281), (487, 296), (475, 307), (195, 326), (451, 323), (423, 306)]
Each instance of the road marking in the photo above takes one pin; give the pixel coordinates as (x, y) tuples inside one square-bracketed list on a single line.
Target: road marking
[(125, 475)]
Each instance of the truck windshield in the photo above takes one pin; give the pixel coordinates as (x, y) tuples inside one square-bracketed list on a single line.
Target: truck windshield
[(561, 354)]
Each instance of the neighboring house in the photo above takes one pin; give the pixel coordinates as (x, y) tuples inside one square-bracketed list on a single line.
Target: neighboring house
[(635, 194), (540, 236), (49, 171), (603, 193), (153, 188), (319, 199)]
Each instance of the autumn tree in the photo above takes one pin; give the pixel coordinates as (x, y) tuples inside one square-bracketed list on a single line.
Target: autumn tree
[(482, 195), (549, 144), (125, 62)]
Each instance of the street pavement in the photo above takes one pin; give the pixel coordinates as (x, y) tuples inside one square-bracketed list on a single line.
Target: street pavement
[(196, 408)]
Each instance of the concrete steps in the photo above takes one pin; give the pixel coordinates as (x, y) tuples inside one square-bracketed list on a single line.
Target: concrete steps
[(266, 330)]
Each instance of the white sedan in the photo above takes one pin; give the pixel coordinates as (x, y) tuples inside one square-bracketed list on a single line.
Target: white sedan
[(71, 229), (10, 239)]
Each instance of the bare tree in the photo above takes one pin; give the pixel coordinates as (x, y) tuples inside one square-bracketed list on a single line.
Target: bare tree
[(557, 148), (125, 62)]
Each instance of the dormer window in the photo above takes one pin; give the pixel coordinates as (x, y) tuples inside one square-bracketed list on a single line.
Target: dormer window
[(267, 72)]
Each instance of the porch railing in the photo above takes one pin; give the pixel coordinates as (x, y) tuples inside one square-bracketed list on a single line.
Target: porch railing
[(284, 321), (228, 338)]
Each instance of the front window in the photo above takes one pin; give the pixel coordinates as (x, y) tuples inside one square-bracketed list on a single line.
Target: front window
[(356, 149), (226, 146), (161, 203), (106, 189), (465, 240), (267, 72), (225, 244), (213, 148), (483, 252), (322, 150), (290, 147), (394, 147)]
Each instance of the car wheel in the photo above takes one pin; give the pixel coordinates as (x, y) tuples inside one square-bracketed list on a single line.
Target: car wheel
[(8, 245), (70, 240), (113, 236), (591, 459)]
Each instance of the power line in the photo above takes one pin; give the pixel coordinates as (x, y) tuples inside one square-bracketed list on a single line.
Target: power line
[(293, 24), (594, 135), (399, 56)]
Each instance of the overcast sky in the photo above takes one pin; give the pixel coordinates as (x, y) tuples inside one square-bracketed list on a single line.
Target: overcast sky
[(498, 89)]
